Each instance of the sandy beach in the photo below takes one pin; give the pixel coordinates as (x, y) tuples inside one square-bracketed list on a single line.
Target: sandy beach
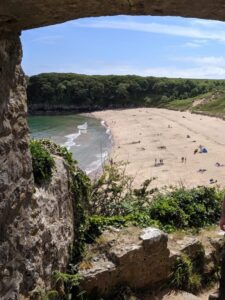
[(147, 135)]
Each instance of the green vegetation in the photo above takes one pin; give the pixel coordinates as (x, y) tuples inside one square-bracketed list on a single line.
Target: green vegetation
[(114, 202), (68, 285), (213, 105), (66, 91), (40, 294), (181, 209), (188, 274), (80, 187), (112, 192), (185, 276), (180, 105), (42, 161)]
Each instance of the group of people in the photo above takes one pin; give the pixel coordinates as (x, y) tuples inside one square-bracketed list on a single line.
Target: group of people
[(159, 163), (183, 160)]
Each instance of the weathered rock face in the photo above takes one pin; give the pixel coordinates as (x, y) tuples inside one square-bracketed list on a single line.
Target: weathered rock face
[(143, 259), (24, 14), (16, 181), (39, 239), (131, 257)]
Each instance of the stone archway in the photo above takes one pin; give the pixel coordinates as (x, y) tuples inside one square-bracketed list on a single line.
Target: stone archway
[(16, 181)]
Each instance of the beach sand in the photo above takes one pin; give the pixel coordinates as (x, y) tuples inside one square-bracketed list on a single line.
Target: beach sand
[(143, 135)]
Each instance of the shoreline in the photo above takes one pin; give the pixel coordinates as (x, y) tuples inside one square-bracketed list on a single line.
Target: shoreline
[(140, 135)]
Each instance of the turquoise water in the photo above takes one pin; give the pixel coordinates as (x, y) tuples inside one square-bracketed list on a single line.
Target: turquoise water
[(87, 138)]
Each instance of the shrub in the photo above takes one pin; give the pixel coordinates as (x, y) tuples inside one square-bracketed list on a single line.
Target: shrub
[(115, 202), (42, 162), (68, 285), (113, 194), (178, 209), (184, 276), (187, 208)]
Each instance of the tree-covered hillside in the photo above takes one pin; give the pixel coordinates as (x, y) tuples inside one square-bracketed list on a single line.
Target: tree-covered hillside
[(67, 91)]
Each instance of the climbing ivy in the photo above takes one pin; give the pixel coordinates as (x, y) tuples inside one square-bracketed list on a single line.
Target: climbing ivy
[(42, 162), (80, 187)]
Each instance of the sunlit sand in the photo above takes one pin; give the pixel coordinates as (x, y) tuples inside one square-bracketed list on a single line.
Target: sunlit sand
[(145, 136)]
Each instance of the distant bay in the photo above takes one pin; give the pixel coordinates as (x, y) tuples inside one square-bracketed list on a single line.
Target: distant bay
[(87, 138)]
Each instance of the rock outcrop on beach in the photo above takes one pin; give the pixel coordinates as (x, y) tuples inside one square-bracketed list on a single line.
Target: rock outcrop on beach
[(26, 223)]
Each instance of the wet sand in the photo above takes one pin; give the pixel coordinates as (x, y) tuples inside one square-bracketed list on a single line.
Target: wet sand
[(142, 136)]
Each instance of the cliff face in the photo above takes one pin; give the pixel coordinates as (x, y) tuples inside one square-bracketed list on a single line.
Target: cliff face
[(36, 227), (38, 238), (16, 182)]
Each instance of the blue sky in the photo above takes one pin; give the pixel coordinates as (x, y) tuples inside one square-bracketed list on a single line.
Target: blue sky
[(147, 46)]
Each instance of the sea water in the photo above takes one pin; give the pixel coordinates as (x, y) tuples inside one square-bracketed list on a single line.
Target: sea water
[(87, 138)]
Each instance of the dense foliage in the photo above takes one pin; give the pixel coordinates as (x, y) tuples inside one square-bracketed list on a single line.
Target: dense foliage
[(115, 202), (55, 91), (113, 194), (42, 161), (80, 188), (185, 276)]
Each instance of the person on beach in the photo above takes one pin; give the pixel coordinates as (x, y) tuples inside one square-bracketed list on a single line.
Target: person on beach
[(220, 294)]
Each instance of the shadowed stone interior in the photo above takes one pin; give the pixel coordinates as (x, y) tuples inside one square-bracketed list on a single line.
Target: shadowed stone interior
[(24, 14), (16, 181)]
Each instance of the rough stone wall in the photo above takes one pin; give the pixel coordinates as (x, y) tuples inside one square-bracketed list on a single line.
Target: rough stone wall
[(143, 259), (36, 229), (38, 239), (16, 181), (131, 257)]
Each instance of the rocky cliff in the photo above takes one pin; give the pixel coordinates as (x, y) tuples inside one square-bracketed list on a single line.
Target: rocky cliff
[(16, 180), (39, 238)]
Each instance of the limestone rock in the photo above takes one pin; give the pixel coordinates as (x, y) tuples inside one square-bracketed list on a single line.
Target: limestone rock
[(24, 14), (135, 258), (39, 239)]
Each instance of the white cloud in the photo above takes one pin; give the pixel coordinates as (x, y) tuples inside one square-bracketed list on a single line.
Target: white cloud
[(191, 45), (191, 31), (195, 44), (207, 23), (200, 71), (47, 39), (215, 61)]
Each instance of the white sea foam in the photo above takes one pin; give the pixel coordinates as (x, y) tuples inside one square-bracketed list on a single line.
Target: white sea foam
[(83, 126), (71, 139), (103, 123), (95, 165)]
